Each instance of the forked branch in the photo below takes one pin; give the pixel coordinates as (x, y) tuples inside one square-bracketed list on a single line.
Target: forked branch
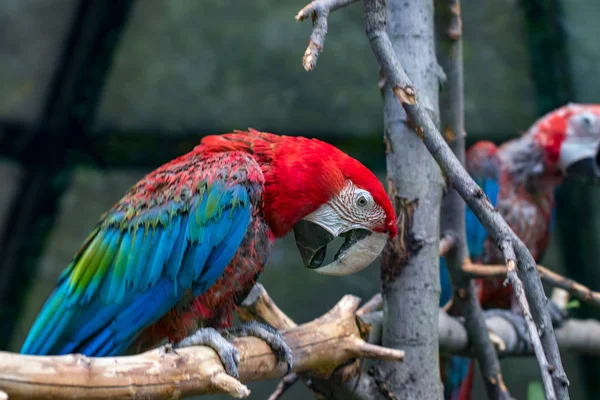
[(319, 11)]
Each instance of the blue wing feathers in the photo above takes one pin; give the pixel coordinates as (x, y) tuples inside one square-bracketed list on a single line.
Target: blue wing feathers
[(129, 274), (456, 368)]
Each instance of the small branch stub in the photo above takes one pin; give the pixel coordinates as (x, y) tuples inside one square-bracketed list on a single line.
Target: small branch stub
[(406, 95), (319, 11)]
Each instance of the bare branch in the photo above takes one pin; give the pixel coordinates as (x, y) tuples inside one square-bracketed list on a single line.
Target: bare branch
[(575, 289), (346, 379), (580, 336), (453, 243), (374, 304), (511, 275), (318, 346), (259, 306), (375, 19), (287, 382), (319, 11)]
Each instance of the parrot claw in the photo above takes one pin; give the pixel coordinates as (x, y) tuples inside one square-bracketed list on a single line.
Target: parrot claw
[(270, 335), (229, 355)]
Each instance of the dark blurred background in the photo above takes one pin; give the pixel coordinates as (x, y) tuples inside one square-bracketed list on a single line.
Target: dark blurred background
[(94, 94)]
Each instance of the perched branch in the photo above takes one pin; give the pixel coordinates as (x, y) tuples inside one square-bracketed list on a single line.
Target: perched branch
[(319, 11), (453, 243), (513, 278), (580, 336), (575, 289), (375, 19), (345, 381), (318, 346)]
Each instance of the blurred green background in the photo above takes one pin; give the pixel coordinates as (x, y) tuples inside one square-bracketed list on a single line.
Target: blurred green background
[(95, 94)]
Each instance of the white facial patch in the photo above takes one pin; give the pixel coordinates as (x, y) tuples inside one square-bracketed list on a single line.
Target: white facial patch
[(352, 208), (360, 256), (582, 140)]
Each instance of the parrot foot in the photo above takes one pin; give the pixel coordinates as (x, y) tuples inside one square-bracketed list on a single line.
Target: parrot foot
[(269, 335), (229, 355)]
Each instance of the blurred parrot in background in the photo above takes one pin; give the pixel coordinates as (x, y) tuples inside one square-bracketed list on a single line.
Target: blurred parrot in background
[(520, 177), (173, 258)]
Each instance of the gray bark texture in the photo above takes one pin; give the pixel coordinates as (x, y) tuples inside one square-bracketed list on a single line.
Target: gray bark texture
[(574, 335), (452, 225), (410, 263), (465, 186)]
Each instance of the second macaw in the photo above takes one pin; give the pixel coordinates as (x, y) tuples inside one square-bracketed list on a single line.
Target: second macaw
[(520, 177), (171, 260)]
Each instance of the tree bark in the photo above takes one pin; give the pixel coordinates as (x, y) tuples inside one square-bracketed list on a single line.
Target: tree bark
[(448, 24), (410, 263)]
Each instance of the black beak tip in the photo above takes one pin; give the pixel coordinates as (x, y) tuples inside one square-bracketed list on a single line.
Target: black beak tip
[(311, 240)]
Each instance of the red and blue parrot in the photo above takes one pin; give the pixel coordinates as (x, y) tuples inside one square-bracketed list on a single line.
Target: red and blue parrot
[(173, 258), (520, 177)]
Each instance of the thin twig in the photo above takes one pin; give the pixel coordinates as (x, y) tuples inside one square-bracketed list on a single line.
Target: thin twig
[(375, 20), (513, 278), (374, 304), (453, 243), (286, 382), (553, 279), (319, 11)]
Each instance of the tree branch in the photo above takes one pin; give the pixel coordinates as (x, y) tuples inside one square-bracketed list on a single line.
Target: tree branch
[(318, 346), (581, 336), (453, 232), (286, 382), (553, 279), (511, 275), (473, 195), (345, 382), (319, 11)]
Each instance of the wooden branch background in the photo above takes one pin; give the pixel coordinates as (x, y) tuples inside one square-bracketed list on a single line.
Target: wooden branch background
[(448, 23), (318, 346)]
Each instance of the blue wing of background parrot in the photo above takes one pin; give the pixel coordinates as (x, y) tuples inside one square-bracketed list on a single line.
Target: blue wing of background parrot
[(454, 368), (476, 235), (131, 271)]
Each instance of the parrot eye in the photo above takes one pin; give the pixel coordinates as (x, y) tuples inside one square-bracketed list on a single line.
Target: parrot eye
[(364, 200)]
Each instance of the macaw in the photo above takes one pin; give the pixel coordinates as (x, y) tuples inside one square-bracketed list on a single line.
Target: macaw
[(520, 177), (172, 259)]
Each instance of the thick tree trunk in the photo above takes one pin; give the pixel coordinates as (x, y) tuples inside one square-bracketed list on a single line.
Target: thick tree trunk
[(409, 272)]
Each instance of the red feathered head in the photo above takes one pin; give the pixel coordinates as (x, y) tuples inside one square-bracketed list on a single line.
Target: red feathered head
[(320, 192), (570, 139)]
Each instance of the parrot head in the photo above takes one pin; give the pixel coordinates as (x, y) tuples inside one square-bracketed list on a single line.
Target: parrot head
[(570, 138), (323, 193), (319, 192)]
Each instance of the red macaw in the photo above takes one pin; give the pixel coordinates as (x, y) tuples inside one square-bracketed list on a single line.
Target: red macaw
[(519, 178), (172, 259)]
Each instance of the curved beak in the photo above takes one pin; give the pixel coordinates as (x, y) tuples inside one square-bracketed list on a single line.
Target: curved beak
[(361, 247), (586, 169)]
